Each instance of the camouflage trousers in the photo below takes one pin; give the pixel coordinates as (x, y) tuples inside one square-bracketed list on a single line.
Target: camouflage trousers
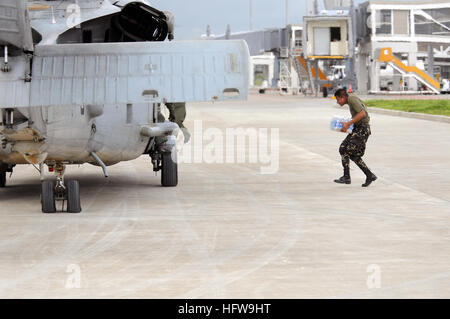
[(177, 114), (353, 148)]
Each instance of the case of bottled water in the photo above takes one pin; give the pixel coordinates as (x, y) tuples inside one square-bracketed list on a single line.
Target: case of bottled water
[(336, 123)]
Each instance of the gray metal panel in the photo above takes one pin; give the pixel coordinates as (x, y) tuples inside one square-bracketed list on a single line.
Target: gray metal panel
[(254, 39), (113, 73), (15, 24), (261, 41), (14, 91)]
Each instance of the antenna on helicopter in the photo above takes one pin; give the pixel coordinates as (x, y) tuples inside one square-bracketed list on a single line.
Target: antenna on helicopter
[(53, 16)]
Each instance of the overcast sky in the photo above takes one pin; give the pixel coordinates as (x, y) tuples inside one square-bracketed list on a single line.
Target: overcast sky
[(192, 16)]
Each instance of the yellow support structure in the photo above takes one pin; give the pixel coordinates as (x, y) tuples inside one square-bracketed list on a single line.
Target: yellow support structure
[(322, 75), (387, 56), (38, 7)]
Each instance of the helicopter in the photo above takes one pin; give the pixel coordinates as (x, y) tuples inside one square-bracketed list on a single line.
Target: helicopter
[(85, 82)]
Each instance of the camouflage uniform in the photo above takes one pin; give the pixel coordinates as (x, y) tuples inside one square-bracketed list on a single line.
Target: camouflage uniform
[(354, 145), (177, 114)]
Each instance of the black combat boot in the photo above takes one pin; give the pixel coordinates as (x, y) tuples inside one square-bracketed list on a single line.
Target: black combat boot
[(369, 179), (346, 178), (343, 180)]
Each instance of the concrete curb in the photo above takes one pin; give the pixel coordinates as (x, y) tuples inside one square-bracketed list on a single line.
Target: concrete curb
[(420, 116)]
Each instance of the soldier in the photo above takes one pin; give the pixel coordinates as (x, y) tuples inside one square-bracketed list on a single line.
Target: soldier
[(354, 145), (177, 113)]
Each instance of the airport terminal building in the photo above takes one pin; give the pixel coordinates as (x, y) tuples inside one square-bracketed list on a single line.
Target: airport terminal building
[(419, 35), (376, 47)]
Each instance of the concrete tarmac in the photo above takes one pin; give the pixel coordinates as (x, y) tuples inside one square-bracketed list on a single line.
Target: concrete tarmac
[(228, 231)]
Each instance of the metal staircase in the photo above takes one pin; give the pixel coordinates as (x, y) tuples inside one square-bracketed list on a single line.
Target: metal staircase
[(387, 56), (285, 84)]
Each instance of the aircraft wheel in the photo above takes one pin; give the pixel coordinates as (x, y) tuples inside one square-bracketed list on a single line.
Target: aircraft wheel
[(169, 175), (48, 197), (2, 179), (2, 175), (73, 197)]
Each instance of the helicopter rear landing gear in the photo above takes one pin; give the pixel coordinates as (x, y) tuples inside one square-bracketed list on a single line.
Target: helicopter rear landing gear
[(165, 160), (2, 178), (73, 197), (59, 191), (48, 197), (4, 169), (169, 169)]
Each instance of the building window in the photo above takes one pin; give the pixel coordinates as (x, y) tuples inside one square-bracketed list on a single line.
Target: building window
[(401, 22), (432, 22), (384, 22), (335, 34), (445, 72)]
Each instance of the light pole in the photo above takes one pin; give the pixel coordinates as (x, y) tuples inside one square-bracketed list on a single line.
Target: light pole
[(251, 14), (287, 12)]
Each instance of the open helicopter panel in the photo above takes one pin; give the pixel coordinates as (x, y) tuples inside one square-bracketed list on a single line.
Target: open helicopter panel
[(144, 69), (111, 73)]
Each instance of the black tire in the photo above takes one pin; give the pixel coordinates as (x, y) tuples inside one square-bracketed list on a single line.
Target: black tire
[(73, 197), (262, 91), (169, 169), (2, 179), (325, 92), (3, 171), (48, 197)]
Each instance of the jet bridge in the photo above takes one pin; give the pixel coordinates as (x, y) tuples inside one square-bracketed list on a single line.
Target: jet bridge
[(329, 41)]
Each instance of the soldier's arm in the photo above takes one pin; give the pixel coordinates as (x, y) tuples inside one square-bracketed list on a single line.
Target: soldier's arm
[(358, 117)]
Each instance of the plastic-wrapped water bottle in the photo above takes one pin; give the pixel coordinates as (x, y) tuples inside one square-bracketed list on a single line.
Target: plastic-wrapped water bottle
[(336, 123)]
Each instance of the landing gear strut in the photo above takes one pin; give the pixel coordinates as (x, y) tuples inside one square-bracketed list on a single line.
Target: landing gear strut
[(53, 191)]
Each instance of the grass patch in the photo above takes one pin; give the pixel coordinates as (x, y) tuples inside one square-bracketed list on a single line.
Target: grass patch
[(436, 107)]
